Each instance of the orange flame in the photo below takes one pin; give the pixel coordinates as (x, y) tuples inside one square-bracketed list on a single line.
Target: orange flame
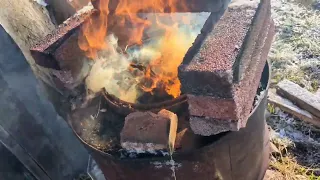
[(130, 27)]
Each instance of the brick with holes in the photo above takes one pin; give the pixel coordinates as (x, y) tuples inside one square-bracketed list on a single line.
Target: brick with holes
[(60, 50), (222, 76)]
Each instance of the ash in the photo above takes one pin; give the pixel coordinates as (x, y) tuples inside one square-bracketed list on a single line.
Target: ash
[(169, 163), (140, 153), (97, 125)]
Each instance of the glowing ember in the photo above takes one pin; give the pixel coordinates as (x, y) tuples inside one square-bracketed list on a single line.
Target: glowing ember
[(135, 52)]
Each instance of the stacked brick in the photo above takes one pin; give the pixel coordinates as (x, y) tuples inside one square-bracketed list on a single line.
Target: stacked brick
[(221, 78)]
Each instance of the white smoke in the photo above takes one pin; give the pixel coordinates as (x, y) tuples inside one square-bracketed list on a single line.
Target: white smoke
[(110, 68)]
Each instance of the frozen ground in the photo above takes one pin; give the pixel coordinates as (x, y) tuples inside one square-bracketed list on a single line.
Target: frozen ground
[(295, 55)]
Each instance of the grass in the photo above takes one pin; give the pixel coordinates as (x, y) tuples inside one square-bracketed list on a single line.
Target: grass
[(291, 170), (286, 163), (295, 54), (297, 156)]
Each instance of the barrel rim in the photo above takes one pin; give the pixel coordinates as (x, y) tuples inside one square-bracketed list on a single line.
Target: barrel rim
[(266, 71)]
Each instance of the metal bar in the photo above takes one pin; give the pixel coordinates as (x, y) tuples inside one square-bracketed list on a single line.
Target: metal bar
[(94, 171), (10, 143)]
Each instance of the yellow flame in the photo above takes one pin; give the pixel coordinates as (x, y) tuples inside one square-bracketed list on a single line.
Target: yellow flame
[(130, 27)]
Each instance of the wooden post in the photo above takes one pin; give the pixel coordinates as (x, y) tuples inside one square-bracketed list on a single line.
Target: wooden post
[(26, 22), (26, 114)]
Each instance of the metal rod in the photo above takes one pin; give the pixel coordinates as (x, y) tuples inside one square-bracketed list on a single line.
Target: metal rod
[(22, 155)]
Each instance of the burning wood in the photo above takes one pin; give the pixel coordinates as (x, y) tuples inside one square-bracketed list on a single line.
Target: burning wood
[(133, 57), (125, 108), (116, 40), (151, 66)]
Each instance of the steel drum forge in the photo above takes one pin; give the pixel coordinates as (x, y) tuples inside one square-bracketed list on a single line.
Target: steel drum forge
[(166, 90)]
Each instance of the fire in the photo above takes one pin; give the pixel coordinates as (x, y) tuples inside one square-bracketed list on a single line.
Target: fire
[(132, 28), (172, 48)]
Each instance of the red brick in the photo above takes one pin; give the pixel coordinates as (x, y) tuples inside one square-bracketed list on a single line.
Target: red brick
[(47, 50), (204, 122), (60, 51), (212, 107), (207, 126), (225, 52), (246, 90), (149, 132)]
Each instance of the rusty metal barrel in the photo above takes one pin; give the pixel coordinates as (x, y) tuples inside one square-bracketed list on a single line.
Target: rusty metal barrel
[(241, 155)]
